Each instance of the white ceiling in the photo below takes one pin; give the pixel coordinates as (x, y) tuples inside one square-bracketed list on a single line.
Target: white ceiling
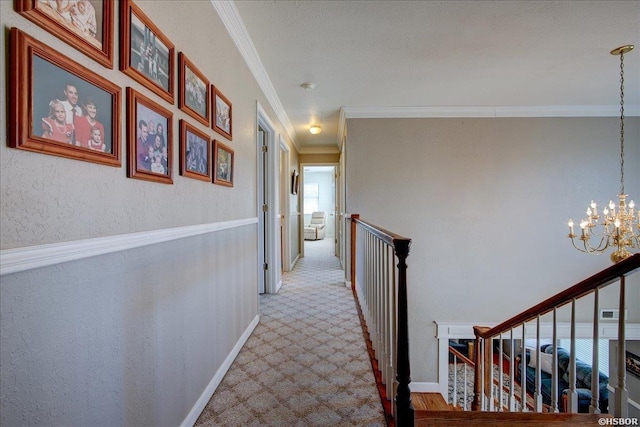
[(435, 58)]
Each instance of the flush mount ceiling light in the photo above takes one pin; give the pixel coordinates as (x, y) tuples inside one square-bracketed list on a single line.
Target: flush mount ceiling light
[(616, 228), (308, 85), (315, 129)]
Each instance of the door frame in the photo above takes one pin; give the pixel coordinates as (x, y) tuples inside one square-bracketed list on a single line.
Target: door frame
[(271, 225), (336, 168), (285, 173)]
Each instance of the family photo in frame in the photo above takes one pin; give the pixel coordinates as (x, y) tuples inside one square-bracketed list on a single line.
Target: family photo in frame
[(222, 113), (146, 54), (633, 364), (62, 108), (193, 90), (86, 25), (195, 153), (223, 164), (149, 133)]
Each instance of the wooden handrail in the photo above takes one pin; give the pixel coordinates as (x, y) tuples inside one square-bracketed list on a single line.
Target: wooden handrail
[(587, 286), (386, 236), (461, 356), (401, 246)]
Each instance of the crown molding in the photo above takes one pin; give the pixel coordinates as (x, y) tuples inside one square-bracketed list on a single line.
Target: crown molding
[(490, 111), (232, 21)]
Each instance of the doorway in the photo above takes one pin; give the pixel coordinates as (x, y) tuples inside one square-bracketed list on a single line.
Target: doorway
[(319, 195), (269, 260)]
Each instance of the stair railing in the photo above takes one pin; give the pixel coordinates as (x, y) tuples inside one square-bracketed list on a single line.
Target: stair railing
[(502, 389), (379, 283), (509, 329)]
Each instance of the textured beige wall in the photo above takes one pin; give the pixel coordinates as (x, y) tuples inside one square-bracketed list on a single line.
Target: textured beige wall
[(486, 202), (48, 199), (132, 337)]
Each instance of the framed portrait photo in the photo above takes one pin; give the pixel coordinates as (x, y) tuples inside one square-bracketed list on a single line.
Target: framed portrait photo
[(193, 90), (146, 54), (632, 362), (195, 153), (149, 136), (58, 107), (86, 25), (222, 119), (223, 159)]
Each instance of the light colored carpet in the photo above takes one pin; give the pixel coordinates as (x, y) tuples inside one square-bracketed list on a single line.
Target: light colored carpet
[(306, 363)]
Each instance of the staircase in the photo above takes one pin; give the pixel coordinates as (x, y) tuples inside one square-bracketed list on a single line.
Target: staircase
[(378, 278), (432, 410)]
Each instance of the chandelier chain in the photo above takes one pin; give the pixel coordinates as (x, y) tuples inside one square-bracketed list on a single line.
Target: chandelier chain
[(621, 122)]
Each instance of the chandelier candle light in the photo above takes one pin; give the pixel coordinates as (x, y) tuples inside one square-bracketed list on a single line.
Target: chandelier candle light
[(618, 229)]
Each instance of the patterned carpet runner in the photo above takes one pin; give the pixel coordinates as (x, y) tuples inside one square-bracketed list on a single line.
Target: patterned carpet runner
[(306, 363)]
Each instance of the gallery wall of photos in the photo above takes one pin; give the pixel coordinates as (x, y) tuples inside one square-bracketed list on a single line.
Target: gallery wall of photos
[(64, 109)]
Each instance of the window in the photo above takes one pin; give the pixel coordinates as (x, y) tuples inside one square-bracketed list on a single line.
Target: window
[(584, 352), (311, 198)]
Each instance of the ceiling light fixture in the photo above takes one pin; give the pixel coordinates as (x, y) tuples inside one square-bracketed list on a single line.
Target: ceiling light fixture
[(308, 85), (315, 129), (619, 229)]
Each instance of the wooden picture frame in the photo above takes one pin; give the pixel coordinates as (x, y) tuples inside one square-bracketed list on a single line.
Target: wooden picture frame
[(87, 25), (46, 93), (222, 120), (632, 363), (149, 137), (223, 164), (146, 54), (193, 90), (195, 153)]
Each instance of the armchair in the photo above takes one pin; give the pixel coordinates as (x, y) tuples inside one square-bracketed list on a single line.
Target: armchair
[(315, 230)]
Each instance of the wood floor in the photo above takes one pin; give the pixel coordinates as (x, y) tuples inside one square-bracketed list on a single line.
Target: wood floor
[(432, 410)]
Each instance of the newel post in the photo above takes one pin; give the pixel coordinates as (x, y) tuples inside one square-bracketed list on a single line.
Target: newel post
[(353, 250), (476, 405), (404, 407)]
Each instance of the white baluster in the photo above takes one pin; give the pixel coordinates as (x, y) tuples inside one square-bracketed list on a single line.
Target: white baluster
[(465, 388), (512, 378), (573, 394), (454, 398), (500, 375), (595, 371), (489, 364), (537, 396), (621, 407), (523, 375), (554, 366)]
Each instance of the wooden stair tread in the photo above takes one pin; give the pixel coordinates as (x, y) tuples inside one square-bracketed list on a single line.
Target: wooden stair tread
[(429, 402), (530, 419)]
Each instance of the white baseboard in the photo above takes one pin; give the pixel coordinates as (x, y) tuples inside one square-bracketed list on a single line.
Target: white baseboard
[(197, 409), (293, 263)]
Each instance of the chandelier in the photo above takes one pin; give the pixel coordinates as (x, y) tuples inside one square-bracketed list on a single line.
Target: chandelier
[(619, 226)]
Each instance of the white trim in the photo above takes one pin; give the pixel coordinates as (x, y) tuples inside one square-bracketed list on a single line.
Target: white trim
[(232, 21), (201, 403), (271, 225), (30, 257), (425, 388), (631, 402), (607, 331), (490, 111)]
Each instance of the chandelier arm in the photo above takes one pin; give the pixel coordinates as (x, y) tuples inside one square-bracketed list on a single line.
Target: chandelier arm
[(588, 249), (604, 244)]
